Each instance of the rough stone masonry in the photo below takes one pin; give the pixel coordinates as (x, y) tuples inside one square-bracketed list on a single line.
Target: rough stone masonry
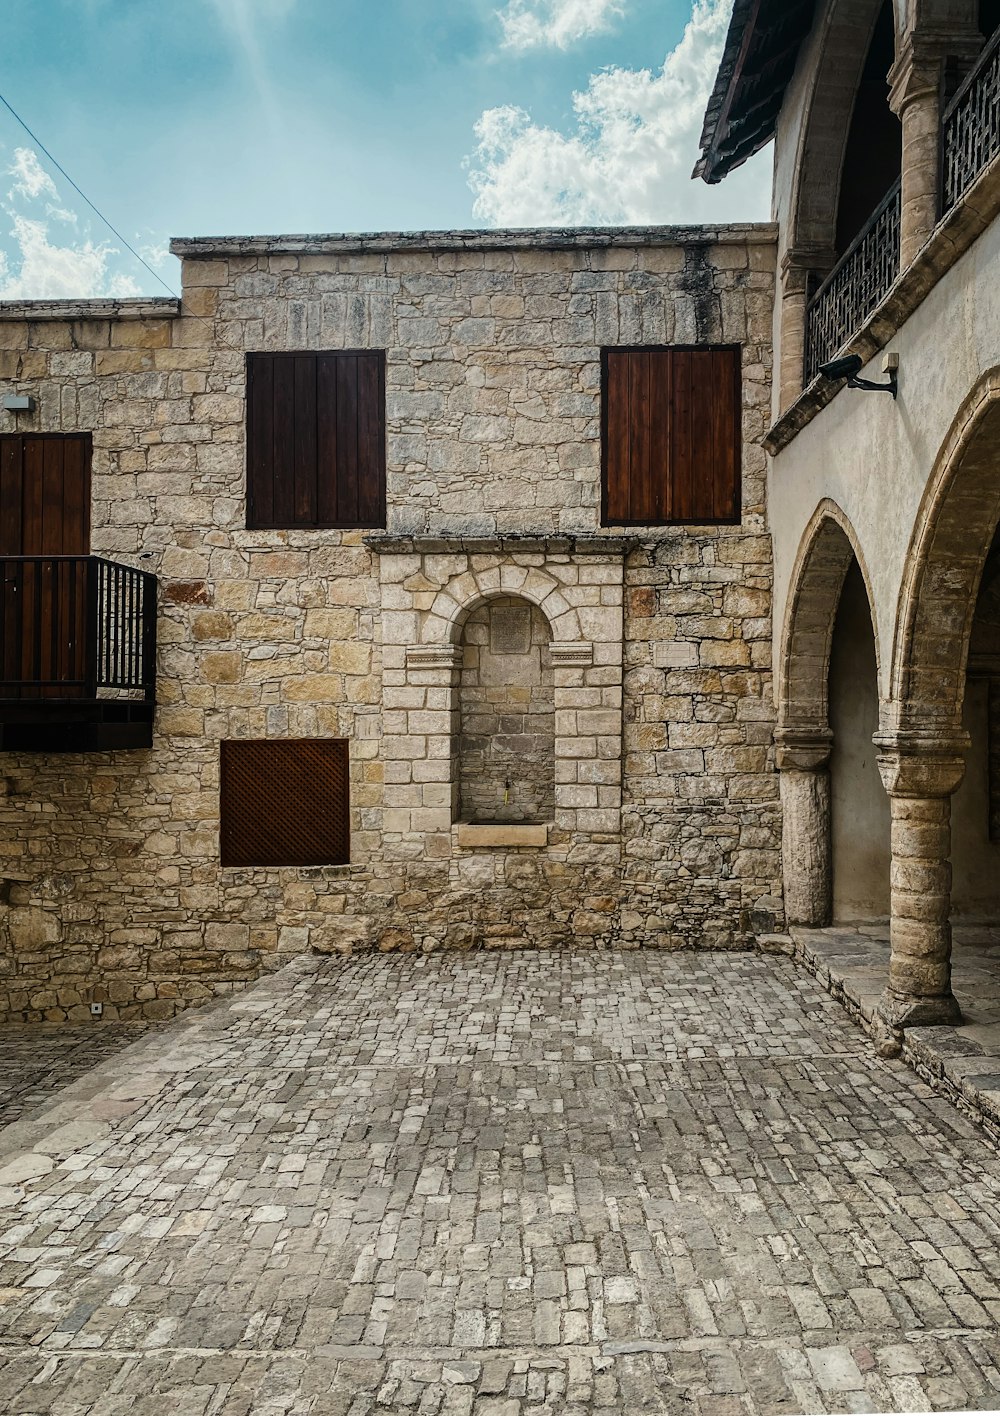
[(664, 829)]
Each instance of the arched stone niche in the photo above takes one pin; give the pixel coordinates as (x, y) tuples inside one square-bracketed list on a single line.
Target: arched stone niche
[(505, 745), (434, 593)]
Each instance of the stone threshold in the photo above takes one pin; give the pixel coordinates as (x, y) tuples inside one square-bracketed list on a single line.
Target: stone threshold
[(962, 1064)]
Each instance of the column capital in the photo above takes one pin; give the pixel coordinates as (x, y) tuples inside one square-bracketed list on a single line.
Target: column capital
[(799, 262), (921, 764), (802, 749), (916, 74)]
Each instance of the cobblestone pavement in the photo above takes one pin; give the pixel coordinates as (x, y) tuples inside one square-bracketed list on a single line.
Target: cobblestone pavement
[(504, 1184), (37, 1061)]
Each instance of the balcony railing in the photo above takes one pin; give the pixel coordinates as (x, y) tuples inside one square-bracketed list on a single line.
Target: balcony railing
[(970, 132), (75, 628), (856, 285)]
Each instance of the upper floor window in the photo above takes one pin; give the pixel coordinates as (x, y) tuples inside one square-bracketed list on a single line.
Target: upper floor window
[(316, 439), (670, 429)]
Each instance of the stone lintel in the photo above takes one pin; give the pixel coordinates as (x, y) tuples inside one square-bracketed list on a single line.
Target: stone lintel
[(144, 308), (572, 656), (470, 834), (433, 656), (603, 547), (579, 238)]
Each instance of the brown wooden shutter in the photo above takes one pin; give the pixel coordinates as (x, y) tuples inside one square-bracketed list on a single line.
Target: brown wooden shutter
[(316, 439), (285, 802), (44, 512), (44, 494), (671, 443)]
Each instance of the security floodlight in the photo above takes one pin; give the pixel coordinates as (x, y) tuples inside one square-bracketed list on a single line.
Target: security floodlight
[(851, 365)]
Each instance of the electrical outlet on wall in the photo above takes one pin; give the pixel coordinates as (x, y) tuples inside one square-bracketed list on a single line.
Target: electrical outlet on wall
[(97, 1010)]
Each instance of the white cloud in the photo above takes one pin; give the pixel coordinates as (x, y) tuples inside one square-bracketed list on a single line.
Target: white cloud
[(529, 24), (39, 267), (30, 178), (630, 157)]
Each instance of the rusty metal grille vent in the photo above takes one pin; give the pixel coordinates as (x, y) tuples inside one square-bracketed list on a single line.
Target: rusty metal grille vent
[(285, 802)]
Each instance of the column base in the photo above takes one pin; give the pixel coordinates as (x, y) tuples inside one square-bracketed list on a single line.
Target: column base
[(907, 1010)]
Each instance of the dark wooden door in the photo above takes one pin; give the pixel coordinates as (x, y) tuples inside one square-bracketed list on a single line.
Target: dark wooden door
[(44, 513)]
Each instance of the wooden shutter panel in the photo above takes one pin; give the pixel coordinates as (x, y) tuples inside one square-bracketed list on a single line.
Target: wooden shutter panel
[(671, 443), (285, 802), (316, 439), (45, 494)]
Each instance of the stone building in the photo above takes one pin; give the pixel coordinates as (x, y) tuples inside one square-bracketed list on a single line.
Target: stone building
[(883, 510), (485, 589), (342, 608)]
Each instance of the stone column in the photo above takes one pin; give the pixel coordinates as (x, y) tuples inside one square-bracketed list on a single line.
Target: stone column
[(803, 757), (920, 781), (915, 97), (798, 265)]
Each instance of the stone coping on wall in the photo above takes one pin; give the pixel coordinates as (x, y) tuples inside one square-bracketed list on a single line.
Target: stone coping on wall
[(950, 239), (154, 308), (519, 239)]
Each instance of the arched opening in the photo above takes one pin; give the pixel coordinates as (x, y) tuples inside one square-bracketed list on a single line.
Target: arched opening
[(836, 818), (940, 743), (859, 806), (874, 148), (506, 704)]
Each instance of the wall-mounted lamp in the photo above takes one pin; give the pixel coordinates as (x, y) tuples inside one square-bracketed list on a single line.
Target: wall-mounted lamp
[(18, 403), (851, 365)]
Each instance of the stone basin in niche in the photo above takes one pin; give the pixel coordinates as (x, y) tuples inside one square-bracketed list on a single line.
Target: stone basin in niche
[(501, 833)]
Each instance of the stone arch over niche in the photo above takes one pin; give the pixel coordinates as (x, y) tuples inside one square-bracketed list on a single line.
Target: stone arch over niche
[(504, 748), (431, 589), (954, 530), (827, 716)]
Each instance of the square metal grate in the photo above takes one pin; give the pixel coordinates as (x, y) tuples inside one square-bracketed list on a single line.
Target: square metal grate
[(285, 802)]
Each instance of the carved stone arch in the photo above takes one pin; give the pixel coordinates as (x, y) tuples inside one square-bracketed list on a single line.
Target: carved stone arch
[(464, 593), (829, 544), (955, 525)]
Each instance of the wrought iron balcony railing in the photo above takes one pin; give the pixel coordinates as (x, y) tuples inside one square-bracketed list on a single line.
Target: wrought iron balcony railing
[(970, 131), (857, 284), (75, 628)]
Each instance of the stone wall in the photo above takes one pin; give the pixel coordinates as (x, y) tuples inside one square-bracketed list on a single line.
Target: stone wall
[(113, 888)]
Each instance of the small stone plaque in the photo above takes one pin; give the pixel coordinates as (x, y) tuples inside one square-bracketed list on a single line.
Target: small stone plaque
[(510, 630)]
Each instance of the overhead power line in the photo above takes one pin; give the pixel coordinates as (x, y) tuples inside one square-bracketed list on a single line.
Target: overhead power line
[(60, 169)]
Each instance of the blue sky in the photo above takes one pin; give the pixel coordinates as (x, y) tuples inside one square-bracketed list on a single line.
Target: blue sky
[(208, 117)]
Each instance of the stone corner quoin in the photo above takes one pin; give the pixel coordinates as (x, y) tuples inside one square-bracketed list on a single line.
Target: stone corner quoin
[(654, 641)]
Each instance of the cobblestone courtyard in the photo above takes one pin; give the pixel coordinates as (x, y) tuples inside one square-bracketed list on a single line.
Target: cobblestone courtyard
[(501, 1184)]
